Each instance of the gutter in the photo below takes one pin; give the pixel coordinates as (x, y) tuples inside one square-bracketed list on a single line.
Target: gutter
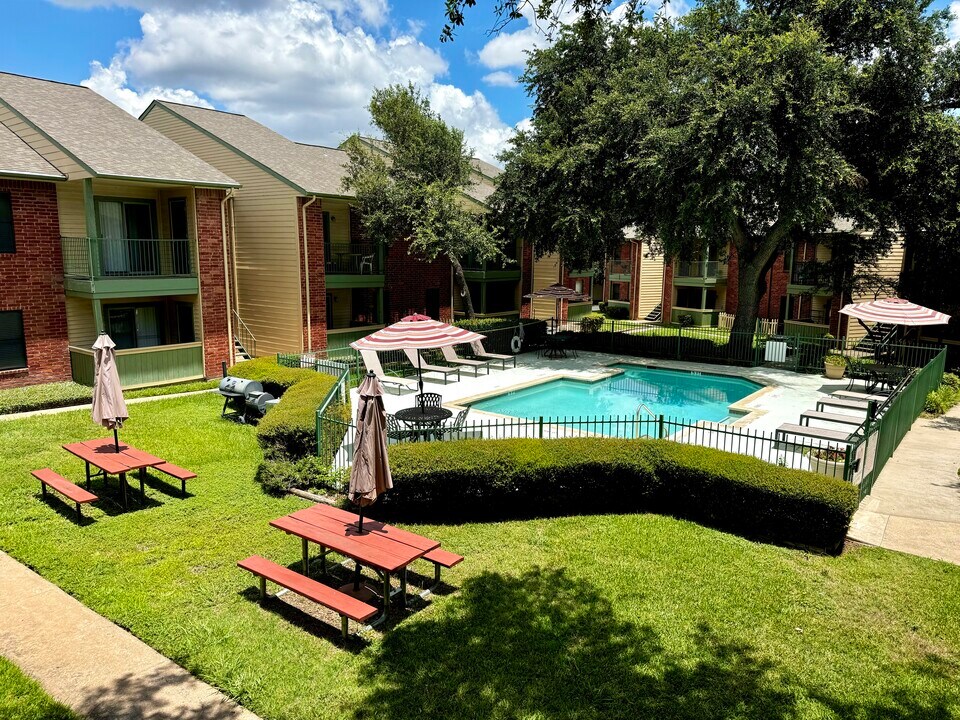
[(306, 270)]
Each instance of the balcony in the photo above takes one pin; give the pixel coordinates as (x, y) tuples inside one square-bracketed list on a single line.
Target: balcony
[(479, 270), (621, 270), (128, 267), (353, 264), (701, 270), (139, 367)]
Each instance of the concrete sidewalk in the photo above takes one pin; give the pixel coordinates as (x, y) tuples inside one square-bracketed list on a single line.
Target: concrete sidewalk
[(915, 503), (97, 668)]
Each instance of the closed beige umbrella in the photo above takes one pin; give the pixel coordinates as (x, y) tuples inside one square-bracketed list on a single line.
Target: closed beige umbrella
[(370, 474), (109, 409)]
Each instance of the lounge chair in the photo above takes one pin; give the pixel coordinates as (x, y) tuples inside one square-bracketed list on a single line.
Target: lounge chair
[(450, 355), (834, 436), (372, 362), (481, 354), (414, 357)]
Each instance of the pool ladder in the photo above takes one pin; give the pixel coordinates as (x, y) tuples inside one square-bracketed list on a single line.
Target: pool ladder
[(641, 406)]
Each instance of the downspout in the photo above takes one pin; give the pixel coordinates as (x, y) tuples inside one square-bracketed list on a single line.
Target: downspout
[(306, 269), (233, 249), (226, 271)]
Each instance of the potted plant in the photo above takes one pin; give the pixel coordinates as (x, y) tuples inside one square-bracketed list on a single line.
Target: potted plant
[(827, 461), (834, 366)]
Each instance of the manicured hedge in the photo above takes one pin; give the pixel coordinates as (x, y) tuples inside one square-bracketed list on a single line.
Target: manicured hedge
[(475, 479), (66, 394), (289, 431)]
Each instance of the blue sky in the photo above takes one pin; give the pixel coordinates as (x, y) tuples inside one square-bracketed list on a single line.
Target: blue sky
[(303, 67)]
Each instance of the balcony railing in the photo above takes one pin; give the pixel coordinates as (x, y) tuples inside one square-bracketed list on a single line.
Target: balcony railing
[(353, 259), (805, 273), (620, 267), (93, 258), (706, 269)]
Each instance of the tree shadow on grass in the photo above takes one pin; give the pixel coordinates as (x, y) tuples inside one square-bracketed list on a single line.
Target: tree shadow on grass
[(548, 646)]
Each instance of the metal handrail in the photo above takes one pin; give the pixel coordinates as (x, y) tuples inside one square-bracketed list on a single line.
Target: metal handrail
[(642, 406), (243, 335)]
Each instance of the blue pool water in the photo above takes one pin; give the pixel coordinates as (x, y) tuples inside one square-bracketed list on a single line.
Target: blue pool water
[(673, 393)]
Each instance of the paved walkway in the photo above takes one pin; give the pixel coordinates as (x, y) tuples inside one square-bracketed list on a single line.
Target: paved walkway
[(915, 504), (97, 668)]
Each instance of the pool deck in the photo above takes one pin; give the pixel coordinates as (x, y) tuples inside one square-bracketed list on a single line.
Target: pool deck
[(789, 395)]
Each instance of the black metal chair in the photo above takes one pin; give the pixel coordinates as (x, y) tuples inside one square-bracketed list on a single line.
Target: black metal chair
[(398, 432), (429, 400)]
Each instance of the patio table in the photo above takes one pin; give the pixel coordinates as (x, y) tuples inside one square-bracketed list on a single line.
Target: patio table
[(385, 549), (424, 419), (103, 455)]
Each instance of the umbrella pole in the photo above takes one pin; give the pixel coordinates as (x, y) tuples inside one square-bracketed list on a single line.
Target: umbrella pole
[(419, 373), (116, 439)]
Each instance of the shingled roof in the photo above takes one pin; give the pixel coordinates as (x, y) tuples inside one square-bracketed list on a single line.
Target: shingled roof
[(17, 159), (100, 137), (310, 169)]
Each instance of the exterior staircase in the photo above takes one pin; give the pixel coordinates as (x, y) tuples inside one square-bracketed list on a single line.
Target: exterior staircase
[(655, 315), (877, 337), (244, 342)]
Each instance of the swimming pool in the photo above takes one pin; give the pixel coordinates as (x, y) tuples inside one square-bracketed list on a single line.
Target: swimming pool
[(676, 394)]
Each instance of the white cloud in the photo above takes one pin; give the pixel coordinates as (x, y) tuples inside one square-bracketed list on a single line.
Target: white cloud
[(954, 30), (289, 64), (501, 78)]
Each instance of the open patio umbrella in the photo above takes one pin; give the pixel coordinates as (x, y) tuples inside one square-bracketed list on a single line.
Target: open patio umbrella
[(416, 332), (895, 311), (559, 293), (109, 409), (370, 474)]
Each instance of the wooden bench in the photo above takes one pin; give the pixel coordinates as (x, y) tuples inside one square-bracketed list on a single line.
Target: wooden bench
[(48, 478), (830, 417), (179, 473), (346, 606), (441, 559)]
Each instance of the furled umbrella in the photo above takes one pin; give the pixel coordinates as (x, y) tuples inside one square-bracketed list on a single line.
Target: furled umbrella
[(370, 474), (558, 292), (109, 409), (416, 332)]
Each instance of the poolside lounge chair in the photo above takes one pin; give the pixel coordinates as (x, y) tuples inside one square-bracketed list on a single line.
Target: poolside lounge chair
[(450, 355), (837, 418), (414, 357), (838, 436), (859, 405), (481, 354), (372, 362)]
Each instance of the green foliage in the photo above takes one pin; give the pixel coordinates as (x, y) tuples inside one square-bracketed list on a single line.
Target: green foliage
[(951, 381), (418, 193), (834, 359), (615, 312), (307, 473), (23, 698), (939, 401), (592, 322), (65, 394), (275, 378), (519, 478), (685, 320), (482, 325)]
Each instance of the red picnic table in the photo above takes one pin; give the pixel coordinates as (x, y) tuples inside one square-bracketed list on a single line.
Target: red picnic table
[(102, 454), (383, 548)]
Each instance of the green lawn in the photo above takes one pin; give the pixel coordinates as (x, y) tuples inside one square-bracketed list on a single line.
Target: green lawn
[(22, 698), (579, 617)]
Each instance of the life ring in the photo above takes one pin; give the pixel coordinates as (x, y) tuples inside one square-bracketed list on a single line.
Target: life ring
[(515, 344)]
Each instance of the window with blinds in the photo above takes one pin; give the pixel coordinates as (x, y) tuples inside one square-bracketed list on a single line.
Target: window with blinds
[(13, 347)]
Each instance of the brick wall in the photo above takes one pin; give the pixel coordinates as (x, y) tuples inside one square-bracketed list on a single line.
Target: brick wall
[(32, 281), (314, 327), (776, 279), (409, 278), (217, 345)]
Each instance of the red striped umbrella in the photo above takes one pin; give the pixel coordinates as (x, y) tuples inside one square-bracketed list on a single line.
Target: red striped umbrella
[(416, 332), (895, 311)]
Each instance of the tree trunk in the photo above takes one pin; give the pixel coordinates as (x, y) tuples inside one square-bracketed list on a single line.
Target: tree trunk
[(460, 282), (751, 283)]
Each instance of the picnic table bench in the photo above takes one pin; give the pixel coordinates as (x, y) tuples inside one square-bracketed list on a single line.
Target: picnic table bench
[(48, 478), (346, 606)]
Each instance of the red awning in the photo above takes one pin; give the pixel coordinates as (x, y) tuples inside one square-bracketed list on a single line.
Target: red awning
[(895, 311), (416, 332)]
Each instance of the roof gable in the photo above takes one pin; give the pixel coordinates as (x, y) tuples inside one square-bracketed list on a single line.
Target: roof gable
[(18, 159)]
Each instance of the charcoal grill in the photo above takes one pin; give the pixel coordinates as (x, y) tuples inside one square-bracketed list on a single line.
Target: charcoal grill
[(244, 398)]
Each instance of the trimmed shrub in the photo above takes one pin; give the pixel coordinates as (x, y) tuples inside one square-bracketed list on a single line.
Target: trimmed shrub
[(43, 396), (275, 378), (481, 325), (951, 381), (941, 400), (474, 479), (592, 322), (309, 473), (615, 312)]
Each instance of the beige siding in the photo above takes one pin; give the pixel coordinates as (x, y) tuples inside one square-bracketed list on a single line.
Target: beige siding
[(81, 328), (41, 145), (546, 271), (70, 208), (889, 266), (651, 283), (342, 307), (339, 220), (268, 260)]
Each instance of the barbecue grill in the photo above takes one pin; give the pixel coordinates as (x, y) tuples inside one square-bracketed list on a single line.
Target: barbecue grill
[(245, 398)]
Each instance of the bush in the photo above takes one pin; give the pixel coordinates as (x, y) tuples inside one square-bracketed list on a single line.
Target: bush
[(685, 320), (615, 312), (289, 431), (518, 478), (309, 473), (592, 322), (834, 359), (482, 325), (275, 378), (41, 397), (951, 381), (942, 399)]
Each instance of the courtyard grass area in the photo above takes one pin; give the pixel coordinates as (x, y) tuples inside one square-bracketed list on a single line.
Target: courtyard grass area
[(575, 617), (22, 698), (65, 394)]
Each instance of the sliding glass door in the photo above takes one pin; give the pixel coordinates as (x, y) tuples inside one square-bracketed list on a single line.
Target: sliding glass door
[(128, 230)]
